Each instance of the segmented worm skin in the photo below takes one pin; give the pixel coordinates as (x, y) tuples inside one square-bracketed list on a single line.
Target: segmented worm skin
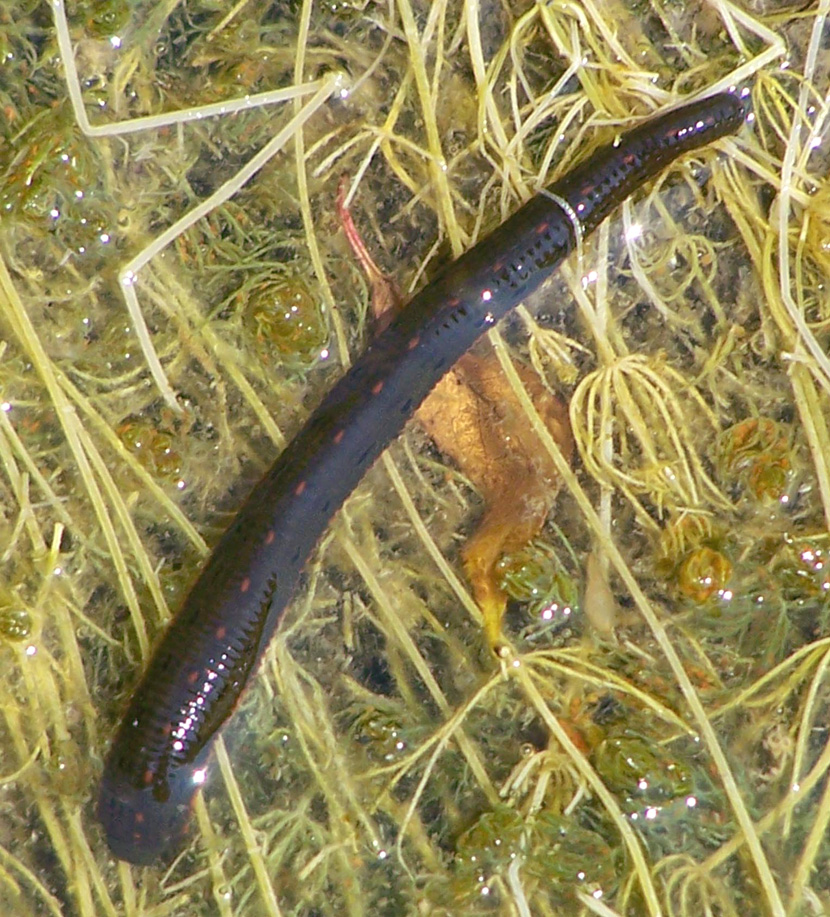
[(160, 756)]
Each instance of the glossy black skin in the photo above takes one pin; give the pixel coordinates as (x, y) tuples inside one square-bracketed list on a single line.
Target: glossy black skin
[(204, 660)]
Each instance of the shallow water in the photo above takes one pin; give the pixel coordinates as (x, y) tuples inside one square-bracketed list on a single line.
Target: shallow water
[(383, 762)]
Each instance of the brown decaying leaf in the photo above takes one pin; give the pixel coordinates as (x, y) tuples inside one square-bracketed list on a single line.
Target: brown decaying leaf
[(475, 419)]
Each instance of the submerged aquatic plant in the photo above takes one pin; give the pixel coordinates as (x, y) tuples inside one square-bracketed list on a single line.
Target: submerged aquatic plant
[(385, 747), (640, 427)]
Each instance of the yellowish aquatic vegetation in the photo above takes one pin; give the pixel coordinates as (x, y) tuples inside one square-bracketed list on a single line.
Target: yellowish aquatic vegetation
[(640, 427), (545, 583), (382, 748), (757, 453), (692, 557), (691, 890)]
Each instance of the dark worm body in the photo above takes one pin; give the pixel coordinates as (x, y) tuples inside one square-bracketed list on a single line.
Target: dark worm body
[(160, 755)]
